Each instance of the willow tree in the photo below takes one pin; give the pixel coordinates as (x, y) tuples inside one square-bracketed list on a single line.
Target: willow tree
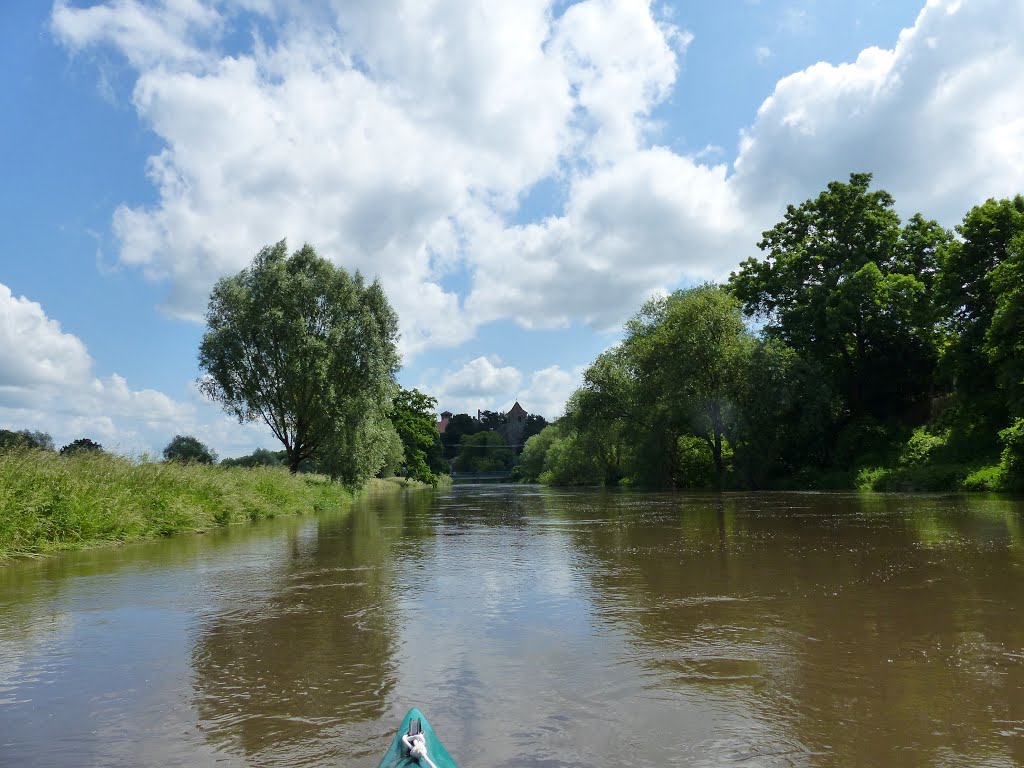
[(690, 350), (310, 350)]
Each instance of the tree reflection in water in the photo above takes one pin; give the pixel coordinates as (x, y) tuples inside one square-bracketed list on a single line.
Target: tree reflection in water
[(284, 672), (859, 629)]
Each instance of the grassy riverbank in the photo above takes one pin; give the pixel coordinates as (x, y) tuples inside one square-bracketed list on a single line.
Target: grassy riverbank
[(50, 503)]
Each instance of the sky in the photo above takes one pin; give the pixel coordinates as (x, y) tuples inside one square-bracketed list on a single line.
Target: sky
[(520, 177)]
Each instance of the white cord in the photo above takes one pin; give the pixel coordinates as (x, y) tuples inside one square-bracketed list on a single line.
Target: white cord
[(417, 746)]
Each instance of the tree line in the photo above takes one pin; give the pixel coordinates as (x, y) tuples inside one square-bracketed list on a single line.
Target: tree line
[(857, 349)]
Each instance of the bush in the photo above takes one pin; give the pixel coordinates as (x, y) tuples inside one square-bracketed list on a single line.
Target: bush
[(922, 448), (1012, 462), (186, 448), (81, 445), (985, 479), (51, 503)]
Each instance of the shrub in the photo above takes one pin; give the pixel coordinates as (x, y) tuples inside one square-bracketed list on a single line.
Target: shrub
[(985, 479), (81, 445), (186, 448), (1012, 463)]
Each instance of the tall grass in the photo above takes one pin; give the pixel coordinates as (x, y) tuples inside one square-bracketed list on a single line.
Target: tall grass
[(49, 502)]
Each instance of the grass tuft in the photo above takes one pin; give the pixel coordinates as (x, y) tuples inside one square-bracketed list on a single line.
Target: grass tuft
[(50, 503)]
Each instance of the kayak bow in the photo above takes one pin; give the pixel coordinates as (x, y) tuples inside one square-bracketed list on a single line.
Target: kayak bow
[(415, 744)]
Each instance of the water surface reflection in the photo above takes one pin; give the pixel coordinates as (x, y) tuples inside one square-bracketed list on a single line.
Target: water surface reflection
[(536, 628)]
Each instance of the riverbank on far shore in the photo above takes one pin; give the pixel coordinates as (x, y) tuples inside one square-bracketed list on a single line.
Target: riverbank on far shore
[(50, 503)]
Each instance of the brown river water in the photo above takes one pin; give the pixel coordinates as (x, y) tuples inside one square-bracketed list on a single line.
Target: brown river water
[(534, 628)]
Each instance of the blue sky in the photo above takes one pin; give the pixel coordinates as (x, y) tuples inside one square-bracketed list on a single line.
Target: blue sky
[(521, 176)]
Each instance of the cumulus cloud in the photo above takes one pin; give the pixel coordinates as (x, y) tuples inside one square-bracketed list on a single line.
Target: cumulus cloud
[(939, 118), (401, 136), (47, 383), (485, 384), (384, 133), (549, 389)]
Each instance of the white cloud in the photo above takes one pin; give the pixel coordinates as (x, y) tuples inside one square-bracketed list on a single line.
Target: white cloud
[(382, 136), (762, 53), (47, 383), (400, 136), (480, 384), (939, 119), (548, 390), (484, 384)]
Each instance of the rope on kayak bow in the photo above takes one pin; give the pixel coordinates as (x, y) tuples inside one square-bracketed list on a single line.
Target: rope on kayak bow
[(417, 746)]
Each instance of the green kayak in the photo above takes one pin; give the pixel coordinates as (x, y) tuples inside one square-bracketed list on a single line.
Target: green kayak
[(416, 744)]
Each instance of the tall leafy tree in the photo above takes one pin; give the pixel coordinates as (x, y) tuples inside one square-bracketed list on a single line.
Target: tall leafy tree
[(973, 288), (460, 424), (846, 286), (310, 350), (413, 418), (484, 451), (1004, 339), (188, 449), (81, 446), (601, 423), (25, 438), (690, 350)]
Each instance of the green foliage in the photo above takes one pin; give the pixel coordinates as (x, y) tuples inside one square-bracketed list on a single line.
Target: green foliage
[(413, 419), (25, 438), (310, 350), (932, 477), (696, 464), (492, 419), (369, 448), (690, 351), (261, 457), (922, 447), (484, 452), (985, 479), (81, 445), (569, 461), (186, 448), (1004, 339), (1012, 464), (49, 503), (460, 424), (535, 424), (846, 287), (601, 419), (973, 288), (533, 458)]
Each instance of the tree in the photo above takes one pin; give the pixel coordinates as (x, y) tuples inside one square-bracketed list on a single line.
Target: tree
[(413, 419), (25, 439), (690, 350), (1004, 339), (535, 424), (458, 425), (261, 457), (493, 419), (535, 451), (187, 449), (845, 286), (80, 446), (484, 452), (600, 419), (978, 291), (308, 349)]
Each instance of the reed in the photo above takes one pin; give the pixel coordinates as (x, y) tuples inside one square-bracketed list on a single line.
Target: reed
[(49, 502)]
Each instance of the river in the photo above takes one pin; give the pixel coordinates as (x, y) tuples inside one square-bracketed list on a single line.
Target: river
[(535, 628)]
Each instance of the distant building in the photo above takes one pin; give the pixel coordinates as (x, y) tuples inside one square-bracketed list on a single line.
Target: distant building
[(442, 425), (513, 430)]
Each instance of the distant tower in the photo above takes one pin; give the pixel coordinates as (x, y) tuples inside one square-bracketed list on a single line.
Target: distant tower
[(515, 427)]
